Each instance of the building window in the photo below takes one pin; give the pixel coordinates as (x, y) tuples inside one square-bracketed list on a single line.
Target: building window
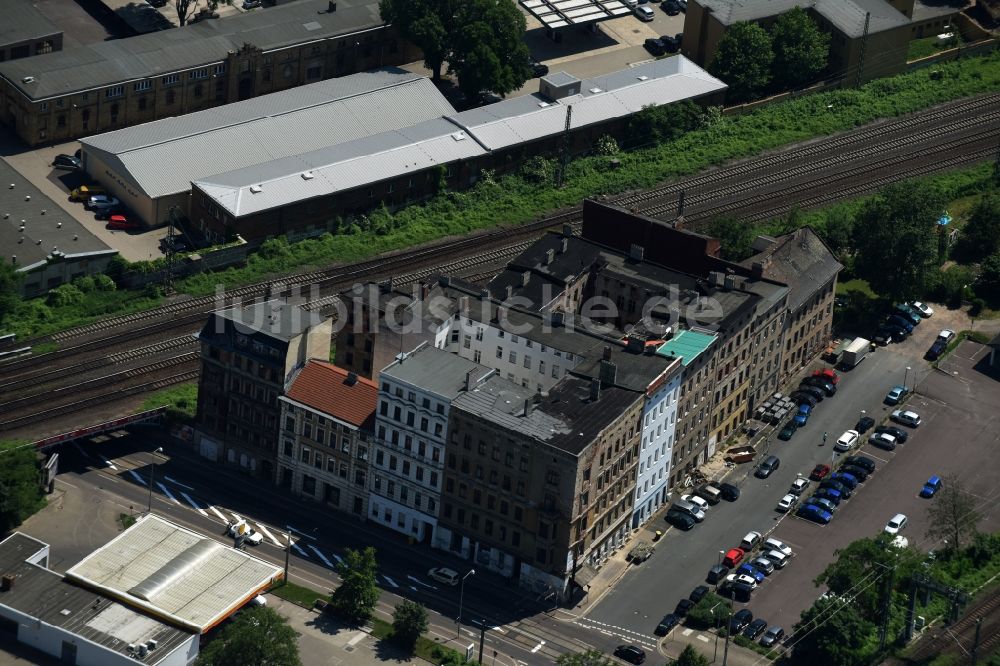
[(308, 485), (114, 91), (44, 106), (170, 79), (199, 73), (220, 69), (141, 86), (306, 454)]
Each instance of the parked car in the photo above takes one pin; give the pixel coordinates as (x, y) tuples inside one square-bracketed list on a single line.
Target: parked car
[(763, 565), (803, 398), (895, 395), (865, 424), (668, 622), (922, 308), (772, 636), (844, 491), (822, 502), (698, 593), (106, 213), (689, 509), (898, 433), (815, 392), (767, 467), (883, 336), (67, 162), (829, 374), (740, 620), (84, 192), (730, 493), (741, 579), (847, 479), (747, 569), (895, 524), (736, 592), (859, 473), (681, 521), (861, 461), (815, 513), (931, 486), (786, 503), (699, 502), (788, 431), (157, 3), (709, 493), (830, 494), (901, 321), (683, 606), (750, 541), (777, 558), (802, 417), (655, 46), (671, 43), (633, 654), (906, 417), (798, 486), (936, 349), (671, 7), (101, 201), (946, 334), (121, 223), (822, 384), (898, 332), (733, 557), (755, 629), (444, 575), (819, 472), (644, 13), (251, 4), (716, 574), (538, 69), (847, 441), (773, 544)]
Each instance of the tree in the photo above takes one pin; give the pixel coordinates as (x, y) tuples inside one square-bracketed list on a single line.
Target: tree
[(833, 632), (409, 621), (859, 561), (952, 514), (894, 237), (257, 637), (488, 49), (426, 23), (10, 289), (20, 492), (659, 124), (838, 230), (710, 611), (691, 657), (736, 237), (588, 658), (187, 8), (988, 282), (801, 49), (980, 236), (357, 595), (743, 61)]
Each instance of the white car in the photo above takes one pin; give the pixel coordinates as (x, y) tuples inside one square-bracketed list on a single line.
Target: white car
[(946, 334), (750, 541), (799, 486), (249, 535), (774, 544), (906, 417), (644, 13), (924, 309), (786, 503), (847, 441), (742, 578), (895, 524), (699, 502), (443, 575)]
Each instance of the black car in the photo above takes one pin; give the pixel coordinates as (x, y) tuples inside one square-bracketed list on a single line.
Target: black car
[(740, 620), (857, 472), (698, 593), (157, 3), (671, 43), (882, 337), (716, 574), (845, 492), (767, 467), (936, 350), (538, 69), (681, 521), (668, 622), (898, 332), (865, 424), (787, 432), (106, 213), (633, 654), (683, 606), (821, 384), (861, 461), (898, 433), (755, 629), (802, 398), (67, 162), (671, 7), (730, 493), (817, 393), (655, 46)]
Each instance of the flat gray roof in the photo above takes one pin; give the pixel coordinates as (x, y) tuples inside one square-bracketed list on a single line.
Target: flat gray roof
[(45, 595), (196, 45), (164, 156), (276, 318), (435, 370), (23, 22), (44, 232), (848, 16)]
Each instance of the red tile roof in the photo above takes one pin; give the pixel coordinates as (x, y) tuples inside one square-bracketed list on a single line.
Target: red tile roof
[(325, 387)]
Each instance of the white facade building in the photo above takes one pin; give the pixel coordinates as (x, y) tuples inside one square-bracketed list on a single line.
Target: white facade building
[(659, 419)]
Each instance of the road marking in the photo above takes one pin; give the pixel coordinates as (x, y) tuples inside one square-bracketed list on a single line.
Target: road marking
[(390, 581), (166, 491), (420, 582), (301, 533), (299, 550), (177, 483), (263, 530), (339, 559), (701, 638), (193, 503), (687, 632), (108, 463), (414, 588), (358, 637), (218, 513), (236, 517), (321, 556), (537, 647), (135, 475)]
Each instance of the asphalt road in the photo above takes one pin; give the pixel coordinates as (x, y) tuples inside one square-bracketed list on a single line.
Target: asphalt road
[(682, 560)]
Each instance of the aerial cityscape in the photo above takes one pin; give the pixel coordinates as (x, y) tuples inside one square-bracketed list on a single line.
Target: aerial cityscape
[(501, 332)]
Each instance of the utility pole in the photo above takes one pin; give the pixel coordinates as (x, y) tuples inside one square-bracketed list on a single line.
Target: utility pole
[(886, 605), (168, 278), (864, 45), (975, 641), (482, 638), (288, 552), (729, 627), (564, 156)]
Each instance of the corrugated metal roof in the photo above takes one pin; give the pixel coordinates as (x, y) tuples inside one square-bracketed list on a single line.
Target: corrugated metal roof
[(199, 44), (559, 13), (163, 157)]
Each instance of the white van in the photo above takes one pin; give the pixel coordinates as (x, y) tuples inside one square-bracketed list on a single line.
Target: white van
[(777, 558)]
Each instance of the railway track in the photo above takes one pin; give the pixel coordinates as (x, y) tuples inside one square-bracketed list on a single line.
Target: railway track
[(813, 174), (959, 637)]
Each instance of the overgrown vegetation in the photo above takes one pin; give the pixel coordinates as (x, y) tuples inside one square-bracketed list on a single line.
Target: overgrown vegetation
[(126, 520), (516, 198), (423, 647), (21, 493), (297, 594), (181, 401), (928, 46)]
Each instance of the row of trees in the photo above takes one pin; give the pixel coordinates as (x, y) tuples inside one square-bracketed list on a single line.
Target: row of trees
[(21, 493), (753, 60), (482, 41)]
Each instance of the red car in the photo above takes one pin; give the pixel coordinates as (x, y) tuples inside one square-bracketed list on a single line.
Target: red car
[(819, 472), (121, 223), (733, 557), (827, 374)]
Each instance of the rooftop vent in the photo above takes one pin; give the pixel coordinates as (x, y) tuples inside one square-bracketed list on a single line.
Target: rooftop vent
[(643, 78), (458, 136), (28, 79), (256, 189), (65, 612), (307, 175), (595, 90), (542, 105)]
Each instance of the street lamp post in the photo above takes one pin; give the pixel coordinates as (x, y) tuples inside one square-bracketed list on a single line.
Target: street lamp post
[(725, 651), (906, 376), (152, 474), (721, 553), (461, 599), (711, 610)]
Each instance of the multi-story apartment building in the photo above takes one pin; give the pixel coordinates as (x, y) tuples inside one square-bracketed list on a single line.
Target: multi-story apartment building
[(411, 429), (327, 425), (802, 261), (540, 487), (108, 85), (247, 354), (659, 423)]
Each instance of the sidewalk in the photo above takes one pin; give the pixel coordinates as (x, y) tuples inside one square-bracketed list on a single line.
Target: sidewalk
[(705, 643)]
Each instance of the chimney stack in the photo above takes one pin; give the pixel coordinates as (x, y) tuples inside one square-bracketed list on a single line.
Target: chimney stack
[(529, 404), (525, 278), (633, 344), (567, 230), (607, 353), (609, 373), (332, 7), (7, 582), (636, 252), (558, 318), (550, 255), (468, 380), (510, 292), (595, 389), (563, 245)]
